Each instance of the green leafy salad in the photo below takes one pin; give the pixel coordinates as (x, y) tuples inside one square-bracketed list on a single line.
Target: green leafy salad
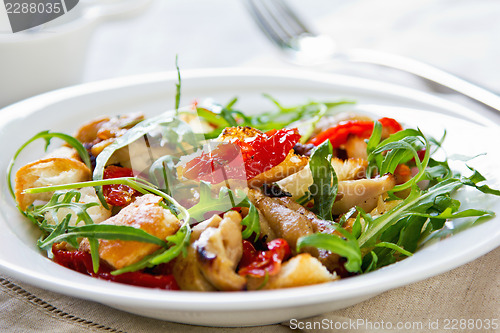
[(209, 198)]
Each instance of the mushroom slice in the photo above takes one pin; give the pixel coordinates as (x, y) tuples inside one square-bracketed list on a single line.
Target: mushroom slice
[(46, 172), (350, 169), (362, 193), (219, 251), (355, 147), (144, 213), (212, 258)]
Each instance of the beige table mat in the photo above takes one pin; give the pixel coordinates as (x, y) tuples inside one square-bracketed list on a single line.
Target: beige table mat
[(468, 292)]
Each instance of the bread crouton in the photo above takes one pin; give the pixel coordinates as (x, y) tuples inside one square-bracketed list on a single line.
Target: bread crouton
[(301, 270), (144, 213), (98, 213), (46, 172)]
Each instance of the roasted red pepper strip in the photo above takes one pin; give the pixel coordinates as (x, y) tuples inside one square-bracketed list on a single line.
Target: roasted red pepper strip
[(260, 153), (82, 262), (339, 134), (118, 194), (259, 263)]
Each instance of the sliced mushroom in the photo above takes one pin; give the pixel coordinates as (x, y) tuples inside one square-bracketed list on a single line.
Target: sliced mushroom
[(355, 147), (213, 255), (363, 193)]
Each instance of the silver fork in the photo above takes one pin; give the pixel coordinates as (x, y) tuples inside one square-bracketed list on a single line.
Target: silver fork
[(303, 47)]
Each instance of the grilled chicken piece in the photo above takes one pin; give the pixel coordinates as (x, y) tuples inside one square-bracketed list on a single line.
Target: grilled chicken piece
[(285, 222), (212, 258), (46, 172), (363, 193), (144, 213), (301, 270), (290, 221)]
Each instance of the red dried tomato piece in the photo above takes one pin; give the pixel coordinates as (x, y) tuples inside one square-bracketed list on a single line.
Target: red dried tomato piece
[(82, 262), (259, 263), (339, 134), (217, 165), (260, 153), (118, 194), (267, 150)]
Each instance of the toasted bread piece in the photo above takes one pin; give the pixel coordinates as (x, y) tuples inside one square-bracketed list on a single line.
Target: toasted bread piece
[(64, 152), (98, 213), (144, 213), (46, 172), (301, 270)]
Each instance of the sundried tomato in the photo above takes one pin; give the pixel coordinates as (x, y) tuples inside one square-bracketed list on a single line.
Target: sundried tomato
[(259, 153), (259, 263), (118, 194), (82, 262)]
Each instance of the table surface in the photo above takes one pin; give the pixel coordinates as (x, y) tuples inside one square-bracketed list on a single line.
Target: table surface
[(462, 37)]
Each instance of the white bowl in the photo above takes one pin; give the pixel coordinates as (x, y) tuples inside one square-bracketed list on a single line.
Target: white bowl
[(153, 94)]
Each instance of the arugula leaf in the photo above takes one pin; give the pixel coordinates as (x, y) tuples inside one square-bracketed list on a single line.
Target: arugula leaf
[(416, 202), (223, 202), (48, 136), (399, 148), (226, 200), (103, 231), (173, 131), (177, 86), (176, 244), (251, 221), (478, 178), (325, 182), (347, 247)]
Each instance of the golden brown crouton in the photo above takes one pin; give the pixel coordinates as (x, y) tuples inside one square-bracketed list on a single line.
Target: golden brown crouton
[(301, 270), (144, 213), (46, 172)]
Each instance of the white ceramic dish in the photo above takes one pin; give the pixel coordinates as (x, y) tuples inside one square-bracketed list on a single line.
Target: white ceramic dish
[(64, 109)]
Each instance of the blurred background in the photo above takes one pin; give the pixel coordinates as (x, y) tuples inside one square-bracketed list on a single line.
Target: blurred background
[(460, 36)]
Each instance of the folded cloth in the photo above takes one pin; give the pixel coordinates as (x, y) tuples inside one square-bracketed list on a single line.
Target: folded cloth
[(470, 292)]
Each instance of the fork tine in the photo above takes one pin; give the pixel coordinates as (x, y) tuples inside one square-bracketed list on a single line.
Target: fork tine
[(291, 18), (277, 21)]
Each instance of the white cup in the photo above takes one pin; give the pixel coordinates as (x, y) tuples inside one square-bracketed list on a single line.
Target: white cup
[(53, 56)]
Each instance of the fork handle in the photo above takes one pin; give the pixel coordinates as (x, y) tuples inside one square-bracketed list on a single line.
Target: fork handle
[(428, 72)]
